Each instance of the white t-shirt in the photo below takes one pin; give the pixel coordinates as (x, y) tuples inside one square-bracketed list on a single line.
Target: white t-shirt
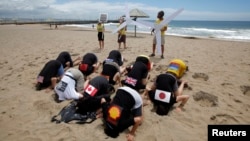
[(65, 89)]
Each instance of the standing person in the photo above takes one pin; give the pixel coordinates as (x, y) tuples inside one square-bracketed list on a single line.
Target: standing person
[(49, 75), (122, 35), (66, 60), (89, 64), (158, 21), (100, 28), (123, 111)]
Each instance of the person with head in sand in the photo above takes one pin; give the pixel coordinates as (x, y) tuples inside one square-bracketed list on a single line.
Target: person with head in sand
[(89, 64), (166, 91), (112, 67), (49, 75), (138, 75), (66, 60), (123, 111), (70, 86), (158, 21), (100, 29), (95, 89)]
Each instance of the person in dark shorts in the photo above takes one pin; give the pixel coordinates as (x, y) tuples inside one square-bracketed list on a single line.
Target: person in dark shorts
[(123, 111), (49, 75), (112, 67), (138, 74), (122, 35), (89, 64), (165, 92), (66, 60), (100, 29)]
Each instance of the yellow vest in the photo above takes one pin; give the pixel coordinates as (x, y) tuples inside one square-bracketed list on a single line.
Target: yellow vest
[(122, 31), (100, 28), (158, 21), (177, 67)]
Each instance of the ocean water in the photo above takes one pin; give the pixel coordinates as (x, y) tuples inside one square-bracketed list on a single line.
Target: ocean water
[(228, 30)]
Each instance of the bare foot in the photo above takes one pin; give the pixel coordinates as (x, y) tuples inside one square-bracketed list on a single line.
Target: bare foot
[(178, 109)]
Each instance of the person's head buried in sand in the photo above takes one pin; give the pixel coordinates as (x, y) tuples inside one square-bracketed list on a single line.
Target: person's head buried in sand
[(125, 110), (177, 67), (138, 75), (166, 91)]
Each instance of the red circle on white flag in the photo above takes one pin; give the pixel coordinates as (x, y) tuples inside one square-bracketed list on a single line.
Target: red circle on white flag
[(162, 95)]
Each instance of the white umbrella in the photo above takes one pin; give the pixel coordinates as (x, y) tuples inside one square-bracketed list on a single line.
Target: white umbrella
[(136, 13), (127, 21)]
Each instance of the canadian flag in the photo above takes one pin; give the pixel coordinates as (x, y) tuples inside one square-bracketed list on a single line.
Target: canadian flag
[(91, 90), (162, 96)]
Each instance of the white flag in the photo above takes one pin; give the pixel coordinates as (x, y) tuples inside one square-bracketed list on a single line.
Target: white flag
[(91, 90), (162, 96)]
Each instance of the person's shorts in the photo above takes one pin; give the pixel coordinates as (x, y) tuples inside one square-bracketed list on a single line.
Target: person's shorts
[(162, 40), (121, 38), (100, 36)]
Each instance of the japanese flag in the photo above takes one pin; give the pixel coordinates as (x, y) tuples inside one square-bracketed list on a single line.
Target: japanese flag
[(162, 96), (91, 90)]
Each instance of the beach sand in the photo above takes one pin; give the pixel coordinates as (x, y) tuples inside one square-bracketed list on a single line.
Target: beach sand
[(218, 76)]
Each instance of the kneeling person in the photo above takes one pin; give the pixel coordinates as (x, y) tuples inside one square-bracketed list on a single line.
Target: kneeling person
[(165, 92), (71, 85), (124, 111)]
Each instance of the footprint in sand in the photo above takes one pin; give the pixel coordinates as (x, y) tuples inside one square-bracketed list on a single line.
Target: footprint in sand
[(161, 68), (201, 76), (223, 118), (150, 138), (206, 99), (75, 54), (43, 106), (245, 90)]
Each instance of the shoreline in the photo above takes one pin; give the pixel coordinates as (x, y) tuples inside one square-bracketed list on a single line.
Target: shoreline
[(182, 36)]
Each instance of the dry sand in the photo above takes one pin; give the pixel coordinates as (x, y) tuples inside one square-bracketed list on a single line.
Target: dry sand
[(218, 76)]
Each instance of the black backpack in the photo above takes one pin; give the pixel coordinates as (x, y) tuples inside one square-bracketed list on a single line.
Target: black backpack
[(69, 113)]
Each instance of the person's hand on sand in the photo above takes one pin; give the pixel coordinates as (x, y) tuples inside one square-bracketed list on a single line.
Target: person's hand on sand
[(47, 90), (130, 137)]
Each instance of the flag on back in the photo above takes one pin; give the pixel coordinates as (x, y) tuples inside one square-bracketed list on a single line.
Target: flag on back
[(91, 90), (40, 79), (162, 96)]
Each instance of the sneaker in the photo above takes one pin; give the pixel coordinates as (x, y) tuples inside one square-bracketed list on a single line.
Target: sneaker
[(151, 55), (162, 57)]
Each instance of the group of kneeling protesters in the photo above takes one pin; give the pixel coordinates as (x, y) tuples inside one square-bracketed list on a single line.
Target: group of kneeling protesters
[(124, 109)]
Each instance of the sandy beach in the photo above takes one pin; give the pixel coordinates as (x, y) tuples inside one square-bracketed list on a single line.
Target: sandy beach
[(218, 78)]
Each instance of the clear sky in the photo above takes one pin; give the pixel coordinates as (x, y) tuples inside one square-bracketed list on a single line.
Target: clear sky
[(230, 10)]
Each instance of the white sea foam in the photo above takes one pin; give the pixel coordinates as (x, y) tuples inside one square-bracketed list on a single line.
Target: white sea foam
[(220, 33)]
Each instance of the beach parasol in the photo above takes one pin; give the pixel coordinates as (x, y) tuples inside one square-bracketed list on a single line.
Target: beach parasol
[(136, 13), (127, 21)]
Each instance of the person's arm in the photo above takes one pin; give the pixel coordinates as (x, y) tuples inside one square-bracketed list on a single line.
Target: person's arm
[(164, 28), (131, 134), (180, 88), (96, 66)]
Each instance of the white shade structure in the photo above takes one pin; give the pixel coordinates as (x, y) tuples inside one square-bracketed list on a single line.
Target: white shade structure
[(136, 13)]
